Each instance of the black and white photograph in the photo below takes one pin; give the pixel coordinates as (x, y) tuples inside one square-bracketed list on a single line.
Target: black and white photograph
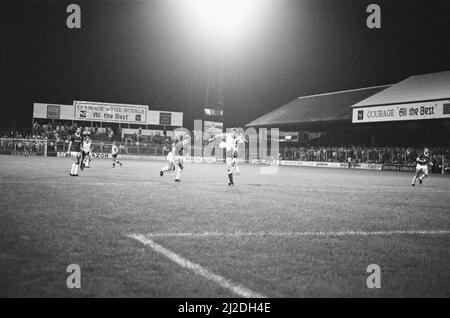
[(224, 154)]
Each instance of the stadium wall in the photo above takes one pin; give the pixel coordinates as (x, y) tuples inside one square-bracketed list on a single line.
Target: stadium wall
[(318, 164), (321, 164)]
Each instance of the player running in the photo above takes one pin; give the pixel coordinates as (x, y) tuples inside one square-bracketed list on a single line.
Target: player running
[(114, 152), (232, 140), (170, 161), (74, 150), (175, 157), (239, 140), (86, 150), (423, 160)]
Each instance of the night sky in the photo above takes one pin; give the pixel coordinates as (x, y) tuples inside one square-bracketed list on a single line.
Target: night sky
[(150, 52)]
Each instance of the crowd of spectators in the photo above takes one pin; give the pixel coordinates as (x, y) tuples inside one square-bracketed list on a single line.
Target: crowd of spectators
[(59, 133), (322, 148), (14, 133), (381, 155), (63, 131), (153, 138)]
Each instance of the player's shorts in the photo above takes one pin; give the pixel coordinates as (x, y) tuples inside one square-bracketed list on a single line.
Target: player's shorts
[(423, 168), (232, 157), (232, 154), (75, 154), (171, 165), (170, 157), (114, 156)]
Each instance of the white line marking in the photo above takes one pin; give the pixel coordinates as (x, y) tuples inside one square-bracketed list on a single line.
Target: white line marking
[(291, 234), (197, 269), (61, 183)]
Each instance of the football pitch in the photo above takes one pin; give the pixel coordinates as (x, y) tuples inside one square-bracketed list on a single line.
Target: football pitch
[(300, 232)]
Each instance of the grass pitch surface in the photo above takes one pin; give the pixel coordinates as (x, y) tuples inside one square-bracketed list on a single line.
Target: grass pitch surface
[(289, 234)]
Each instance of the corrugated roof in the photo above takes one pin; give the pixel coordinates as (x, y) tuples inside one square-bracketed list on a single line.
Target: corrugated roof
[(416, 88), (326, 107)]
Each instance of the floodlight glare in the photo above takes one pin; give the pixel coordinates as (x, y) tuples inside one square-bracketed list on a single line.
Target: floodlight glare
[(221, 17)]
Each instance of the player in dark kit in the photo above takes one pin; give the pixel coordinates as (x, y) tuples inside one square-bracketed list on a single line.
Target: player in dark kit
[(423, 160), (74, 150)]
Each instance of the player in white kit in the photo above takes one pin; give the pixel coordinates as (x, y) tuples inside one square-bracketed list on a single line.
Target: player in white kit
[(170, 161), (175, 157), (86, 150), (231, 142), (114, 153), (238, 140)]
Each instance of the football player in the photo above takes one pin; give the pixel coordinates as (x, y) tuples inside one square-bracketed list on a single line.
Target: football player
[(114, 152), (231, 145), (86, 150), (74, 150), (170, 161), (175, 157), (422, 160), (239, 139)]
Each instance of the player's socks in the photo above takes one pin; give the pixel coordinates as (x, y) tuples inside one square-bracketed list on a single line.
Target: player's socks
[(230, 177), (421, 178), (166, 168), (178, 175), (76, 169), (72, 169)]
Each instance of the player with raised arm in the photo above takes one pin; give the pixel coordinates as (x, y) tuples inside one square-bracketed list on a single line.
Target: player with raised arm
[(231, 142), (114, 153), (86, 150), (422, 160), (74, 150)]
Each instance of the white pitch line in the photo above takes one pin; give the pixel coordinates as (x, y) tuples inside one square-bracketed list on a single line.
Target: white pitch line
[(197, 269), (60, 183), (292, 234)]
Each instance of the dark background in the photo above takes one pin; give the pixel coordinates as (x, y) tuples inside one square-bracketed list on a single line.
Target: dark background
[(149, 52)]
